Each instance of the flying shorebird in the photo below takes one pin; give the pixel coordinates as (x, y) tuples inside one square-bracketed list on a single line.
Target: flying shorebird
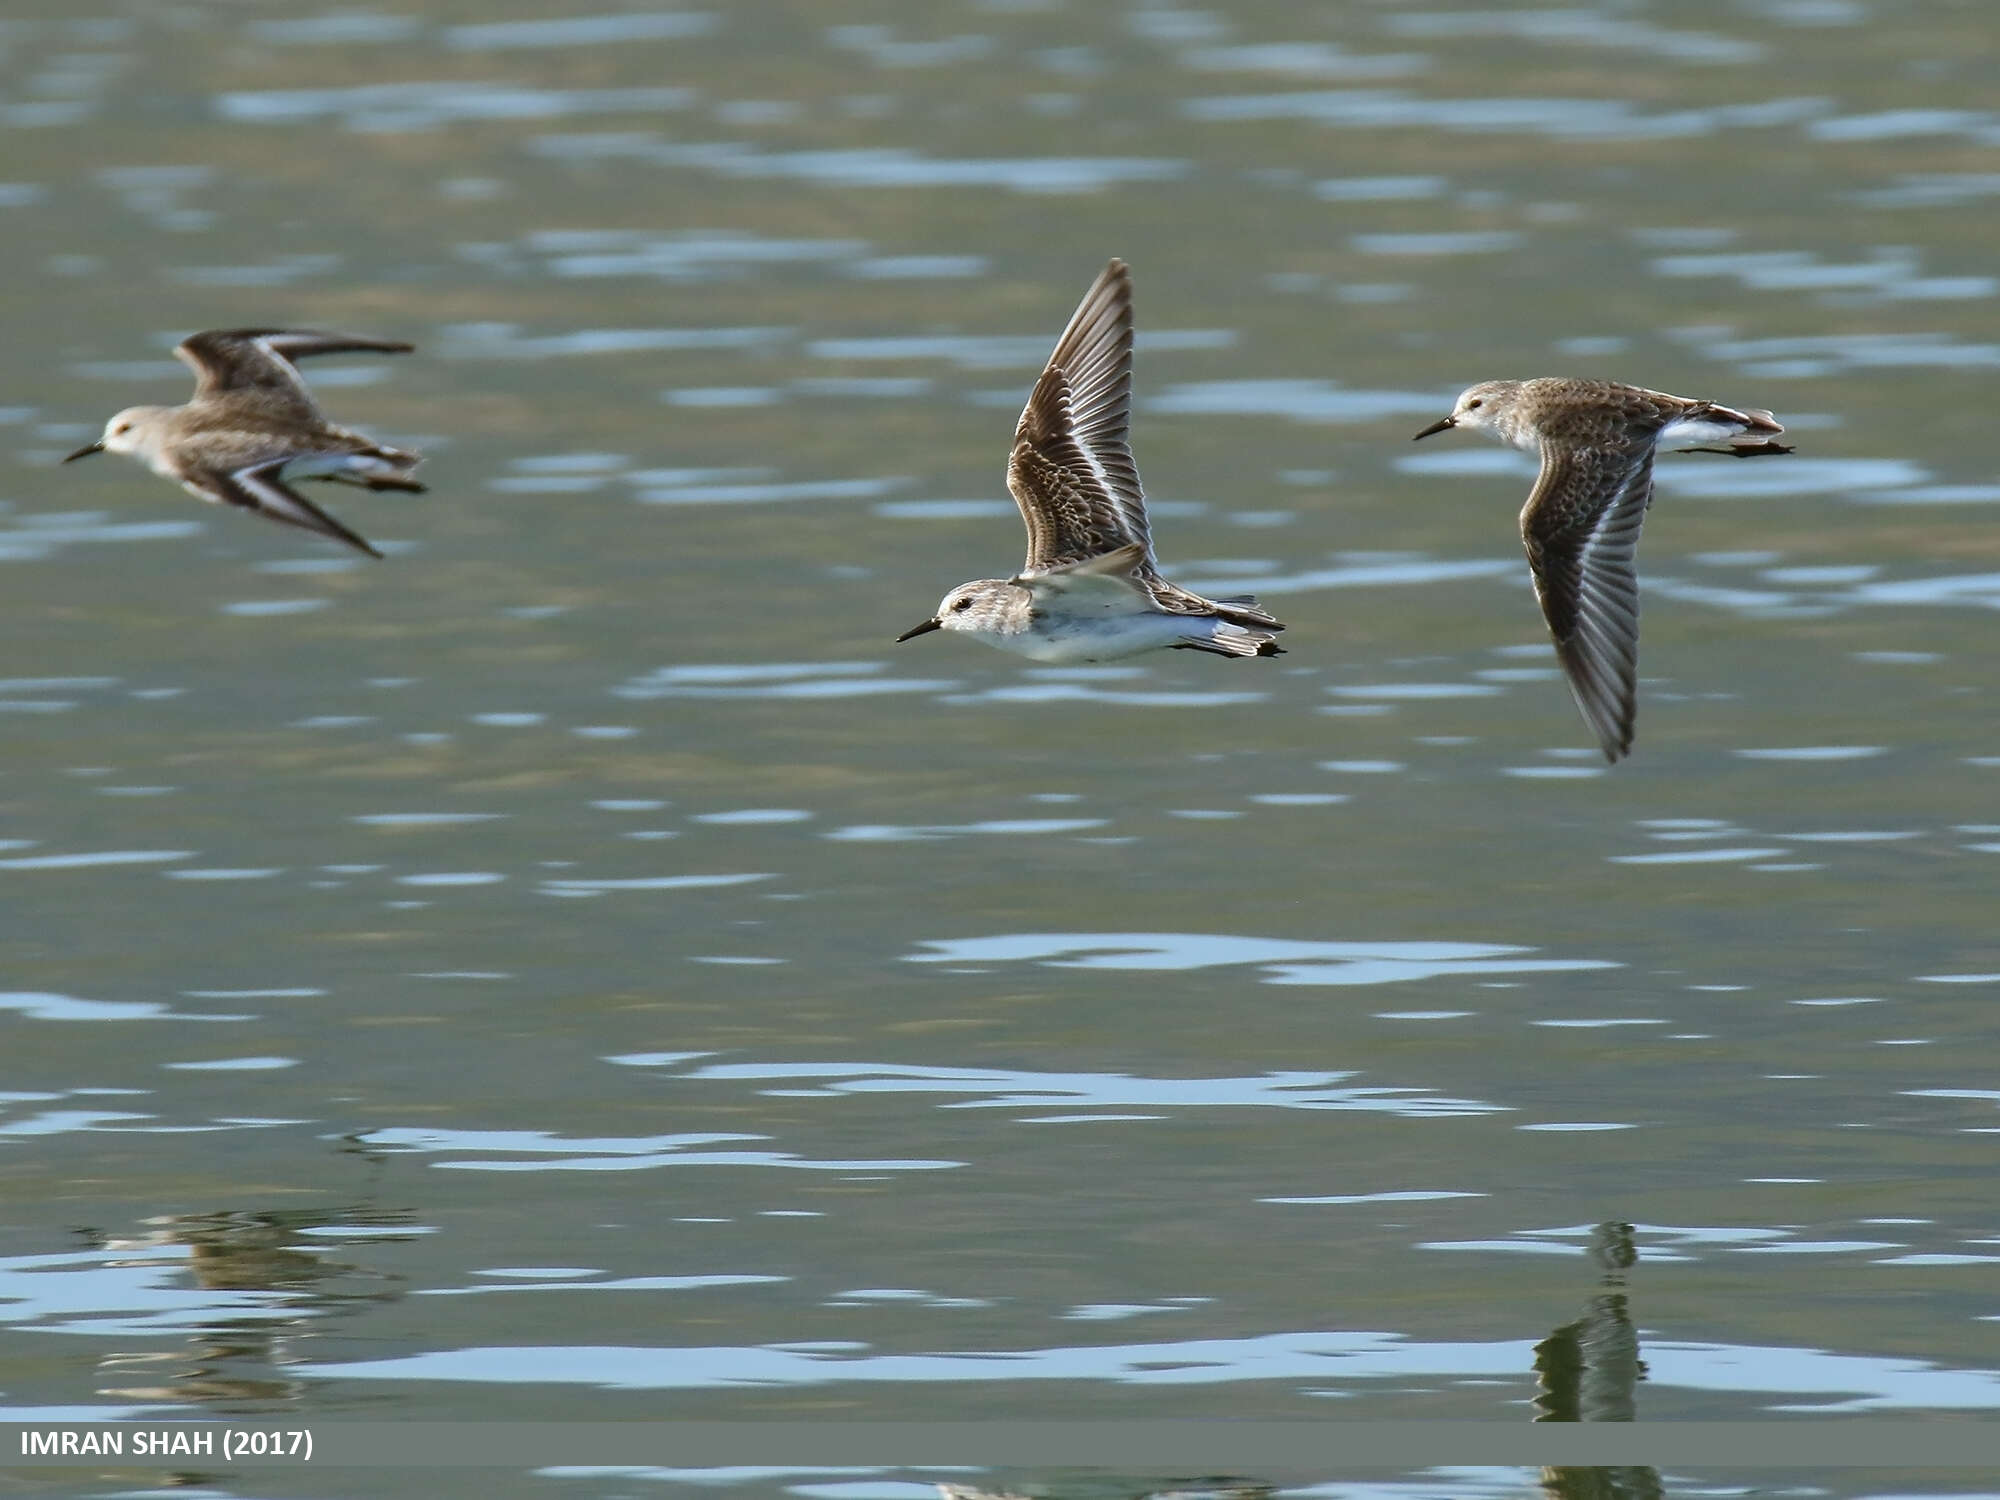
[(1089, 590), (252, 426), (1581, 524)]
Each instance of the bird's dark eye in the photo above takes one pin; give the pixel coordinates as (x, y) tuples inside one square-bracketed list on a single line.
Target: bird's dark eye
[(1474, 405), (962, 604)]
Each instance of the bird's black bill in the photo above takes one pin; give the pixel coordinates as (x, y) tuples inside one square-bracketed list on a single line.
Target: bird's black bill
[(84, 452), (1443, 424), (924, 629)]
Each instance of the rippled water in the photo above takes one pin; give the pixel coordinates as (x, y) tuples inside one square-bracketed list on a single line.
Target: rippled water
[(579, 968)]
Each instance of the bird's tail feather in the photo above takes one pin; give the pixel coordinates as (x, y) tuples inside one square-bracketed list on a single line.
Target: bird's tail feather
[(1227, 639), (1747, 445), (1242, 609), (1755, 419), (1755, 440)]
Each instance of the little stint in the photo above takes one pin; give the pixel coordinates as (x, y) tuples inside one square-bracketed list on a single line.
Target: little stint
[(252, 426), (1596, 439), (1089, 590)]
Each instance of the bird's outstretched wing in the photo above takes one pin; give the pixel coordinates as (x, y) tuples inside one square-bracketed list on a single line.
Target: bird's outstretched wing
[(261, 360), (1071, 471), (261, 489), (1581, 529)]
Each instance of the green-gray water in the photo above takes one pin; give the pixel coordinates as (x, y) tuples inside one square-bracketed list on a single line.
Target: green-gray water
[(579, 968)]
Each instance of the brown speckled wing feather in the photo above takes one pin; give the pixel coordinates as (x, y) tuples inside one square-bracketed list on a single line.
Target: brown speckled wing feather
[(1581, 529), (1071, 471)]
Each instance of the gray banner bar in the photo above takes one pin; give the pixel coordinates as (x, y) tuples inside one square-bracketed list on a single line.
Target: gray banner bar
[(1195, 1446)]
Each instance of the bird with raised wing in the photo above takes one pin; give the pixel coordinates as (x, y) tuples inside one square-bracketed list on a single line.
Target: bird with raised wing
[(1089, 590), (1596, 440), (252, 428)]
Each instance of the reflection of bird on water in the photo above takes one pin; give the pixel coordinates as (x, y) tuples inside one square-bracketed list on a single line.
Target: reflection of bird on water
[(1116, 1487), (235, 1356), (1602, 1482), (1588, 1369)]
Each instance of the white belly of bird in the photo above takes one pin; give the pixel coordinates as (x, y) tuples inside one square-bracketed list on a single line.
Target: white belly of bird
[(1056, 636), (1685, 432), (359, 465)]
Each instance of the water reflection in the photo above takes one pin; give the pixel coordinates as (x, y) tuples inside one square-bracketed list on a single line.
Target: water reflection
[(1587, 1370), (261, 1279), (871, 167), (1891, 273), (1331, 1363), (1303, 60), (1572, 118), (427, 105), (1574, 1482), (541, 1151), (1301, 1479), (1283, 961), (1114, 1487), (1580, 28), (1097, 1092)]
